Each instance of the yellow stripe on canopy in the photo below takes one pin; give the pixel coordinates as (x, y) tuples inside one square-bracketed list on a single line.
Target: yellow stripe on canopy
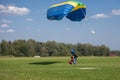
[(78, 7), (74, 4)]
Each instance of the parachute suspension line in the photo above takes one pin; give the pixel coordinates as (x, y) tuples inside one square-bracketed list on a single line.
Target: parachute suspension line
[(86, 20)]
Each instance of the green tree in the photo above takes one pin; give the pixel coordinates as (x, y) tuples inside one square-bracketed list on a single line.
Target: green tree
[(102, 51), (115, 52), (30, 44), (50, 48), (38, 46), (21, 48), (0, 50), (5, 47)]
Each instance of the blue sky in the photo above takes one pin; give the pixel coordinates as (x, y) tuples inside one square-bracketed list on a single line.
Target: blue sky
[(26, 19)]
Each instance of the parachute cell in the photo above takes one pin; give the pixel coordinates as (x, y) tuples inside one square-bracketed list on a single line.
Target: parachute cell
[(73, 10)]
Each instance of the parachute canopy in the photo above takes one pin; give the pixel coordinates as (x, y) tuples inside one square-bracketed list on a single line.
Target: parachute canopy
[(73, 10)]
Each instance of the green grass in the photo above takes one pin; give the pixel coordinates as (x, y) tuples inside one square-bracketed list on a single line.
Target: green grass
[(57, 68)]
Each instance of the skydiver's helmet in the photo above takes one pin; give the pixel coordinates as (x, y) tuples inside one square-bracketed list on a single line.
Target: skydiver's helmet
[(72, 51)]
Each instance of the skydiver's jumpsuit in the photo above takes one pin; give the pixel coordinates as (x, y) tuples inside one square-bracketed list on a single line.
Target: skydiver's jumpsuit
[(74, 55)]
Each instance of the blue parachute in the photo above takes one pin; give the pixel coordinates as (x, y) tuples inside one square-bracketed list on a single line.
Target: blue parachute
[(73, 10)]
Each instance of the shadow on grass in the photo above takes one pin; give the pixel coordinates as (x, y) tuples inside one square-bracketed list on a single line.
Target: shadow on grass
[(43, 63)]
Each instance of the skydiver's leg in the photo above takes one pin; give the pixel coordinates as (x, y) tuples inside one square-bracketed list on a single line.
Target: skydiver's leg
[(74, 61)]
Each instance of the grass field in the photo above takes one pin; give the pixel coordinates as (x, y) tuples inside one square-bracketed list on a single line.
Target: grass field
[(57, 68)]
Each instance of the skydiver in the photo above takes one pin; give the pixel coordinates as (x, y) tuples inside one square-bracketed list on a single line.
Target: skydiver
[(74, 56)]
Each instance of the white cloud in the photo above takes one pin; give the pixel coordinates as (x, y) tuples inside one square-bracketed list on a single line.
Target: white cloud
[(116, 12), (1, 6), (4, 25), (5, 21), (99, 16), (28, 19), (10, 30), (13, 10)]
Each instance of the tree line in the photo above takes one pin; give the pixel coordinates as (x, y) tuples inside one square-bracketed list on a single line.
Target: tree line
[(29, 48)]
